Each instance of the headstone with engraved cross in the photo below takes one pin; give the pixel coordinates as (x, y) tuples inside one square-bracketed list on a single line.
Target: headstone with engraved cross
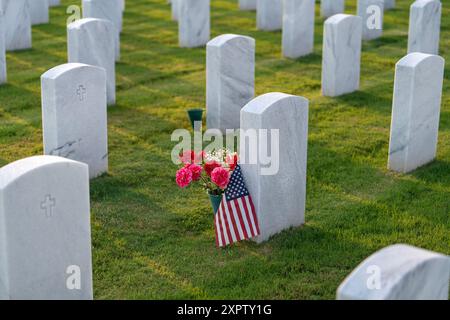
[(45, 243), (74, 115)]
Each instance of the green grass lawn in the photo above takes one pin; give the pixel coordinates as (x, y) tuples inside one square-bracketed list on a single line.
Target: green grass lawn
[(151, 240)]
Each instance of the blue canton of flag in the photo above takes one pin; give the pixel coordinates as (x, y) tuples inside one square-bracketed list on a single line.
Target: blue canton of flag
[(236, 219)]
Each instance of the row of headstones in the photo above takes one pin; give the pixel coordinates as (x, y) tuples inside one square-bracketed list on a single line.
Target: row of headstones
[(230, 74), (94, 40), (16, 19), (296, 19), (413, 141), (46, 248), (45, 212), (75, 95), (49, 185)]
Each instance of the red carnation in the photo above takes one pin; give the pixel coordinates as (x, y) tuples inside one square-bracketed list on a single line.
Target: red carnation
[(210, 166), (232, 160)]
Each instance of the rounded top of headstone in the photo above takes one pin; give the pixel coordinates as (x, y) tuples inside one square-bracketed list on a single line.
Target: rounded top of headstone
[(80, 23), (16, 169), (395, 263), (337, 18), (263, 102), (224, 38), (423, 3), (62, 69), (413, 59)]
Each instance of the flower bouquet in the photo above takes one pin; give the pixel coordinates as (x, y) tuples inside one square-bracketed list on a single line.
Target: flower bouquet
[(213, 170)]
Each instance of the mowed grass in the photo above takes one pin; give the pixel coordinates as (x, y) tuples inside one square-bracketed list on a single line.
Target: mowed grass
[(151, 240)]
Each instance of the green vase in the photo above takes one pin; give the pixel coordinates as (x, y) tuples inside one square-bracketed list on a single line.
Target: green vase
[(195, 115), (215, 201)]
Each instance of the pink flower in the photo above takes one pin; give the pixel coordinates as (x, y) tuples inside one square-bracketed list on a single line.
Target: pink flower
[(183, 177), (196, 171), (220, 177)]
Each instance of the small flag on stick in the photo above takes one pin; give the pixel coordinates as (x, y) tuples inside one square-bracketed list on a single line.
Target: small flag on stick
[(236, 219)]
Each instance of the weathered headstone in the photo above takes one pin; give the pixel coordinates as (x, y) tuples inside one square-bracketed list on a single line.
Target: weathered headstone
[(17, 23), (372, 14), (2, 50), (193, 23), (175, 9), (424, 26), (399, 272), (45, 252), (74, 115), (54, 3), (39, 11), (92, 41), (298, 28), (415, 111), (230, 75), (269, 15), (109, 10), (389, 4), (278, 118), (329, 8), (247, 4), (341, 55)]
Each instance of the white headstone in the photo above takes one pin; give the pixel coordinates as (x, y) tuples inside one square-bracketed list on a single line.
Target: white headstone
[(53, 3), (247, 4), (193, 23), (372, 14), (2, 49), (415, 111), (45, 251), (92, 41), (341, 55), (230, 75), (175, 9), (399, 272), (74, 115), (269, 15), (109, 10), (39, 11), (298, 28), (389, 4), (17, 24), (279, 189), (424, 26), (329, 8)]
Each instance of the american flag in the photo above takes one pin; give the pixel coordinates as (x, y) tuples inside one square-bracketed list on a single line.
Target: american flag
[(236, 218)]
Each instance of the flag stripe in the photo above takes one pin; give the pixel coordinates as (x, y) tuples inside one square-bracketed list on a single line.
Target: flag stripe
[(222, 224), (237, 212), (243, 219), (216, 229), (230, 222), (249, 216), (255, 219), (225, 220)]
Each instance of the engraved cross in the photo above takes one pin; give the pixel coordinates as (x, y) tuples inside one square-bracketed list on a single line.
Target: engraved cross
[(81, 92), (48, 204)]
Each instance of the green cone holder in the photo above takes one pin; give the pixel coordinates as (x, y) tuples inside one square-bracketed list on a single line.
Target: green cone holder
[(215, 201), (195, 115)]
